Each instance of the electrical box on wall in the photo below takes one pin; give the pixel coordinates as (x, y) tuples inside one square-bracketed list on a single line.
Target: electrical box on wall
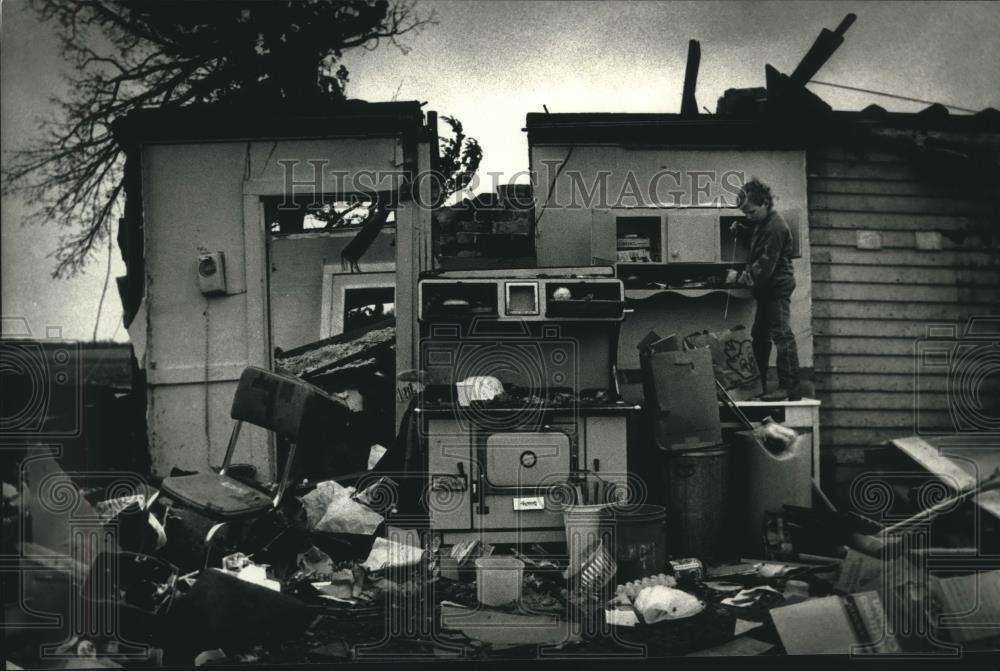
[(212, 273)]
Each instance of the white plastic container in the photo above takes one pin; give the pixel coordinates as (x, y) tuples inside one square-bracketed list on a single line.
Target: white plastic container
[(498, 580), (767, 481)]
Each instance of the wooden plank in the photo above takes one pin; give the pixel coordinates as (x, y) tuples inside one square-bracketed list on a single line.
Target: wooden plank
[(886, 274), (839, 382), (855, 438), (875, 399), (898, 419), (865, 345), (830, 168), (887, 187), (893, 221), (850, 255), (820, 237), (921, 205), (875, 363), (839, 291), (842, 153), (823, 344), (882, 328), (928, 312)]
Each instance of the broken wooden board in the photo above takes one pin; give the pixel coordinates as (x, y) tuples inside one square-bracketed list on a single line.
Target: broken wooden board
[(325, 355)]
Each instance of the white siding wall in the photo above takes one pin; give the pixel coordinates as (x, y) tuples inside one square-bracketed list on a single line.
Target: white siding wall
[(876, 292), (204, 197)]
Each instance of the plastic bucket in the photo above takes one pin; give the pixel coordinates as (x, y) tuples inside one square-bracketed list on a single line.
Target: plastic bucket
[(697, 500), (637, 534), (640, 540), (594, 573), (498, 580), (586, 526)]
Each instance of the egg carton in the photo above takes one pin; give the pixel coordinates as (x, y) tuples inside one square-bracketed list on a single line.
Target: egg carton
[(631, 589)]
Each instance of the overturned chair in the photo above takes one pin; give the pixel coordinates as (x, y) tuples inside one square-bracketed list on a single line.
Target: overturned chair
[(292, 409)]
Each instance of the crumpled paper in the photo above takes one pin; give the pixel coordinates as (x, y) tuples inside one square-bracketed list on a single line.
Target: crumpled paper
[(314, 561), (330, 508), (748, 597), (659, 603), (111, 508), (375, 455), (390, 554), (257, 574), (343, 584)]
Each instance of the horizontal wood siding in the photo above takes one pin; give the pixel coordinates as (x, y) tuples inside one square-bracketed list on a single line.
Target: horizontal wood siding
[(872, 307)]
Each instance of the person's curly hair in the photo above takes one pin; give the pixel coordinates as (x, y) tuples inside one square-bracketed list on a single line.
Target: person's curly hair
[(756, 192)]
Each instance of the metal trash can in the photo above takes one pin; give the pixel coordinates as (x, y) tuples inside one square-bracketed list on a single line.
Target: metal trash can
[(697, 484)]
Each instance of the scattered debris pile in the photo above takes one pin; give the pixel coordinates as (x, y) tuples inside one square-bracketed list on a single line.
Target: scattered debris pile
[(323, 577)]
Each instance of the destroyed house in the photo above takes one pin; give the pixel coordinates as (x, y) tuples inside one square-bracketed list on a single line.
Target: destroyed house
[(895, 220), (248, 233)]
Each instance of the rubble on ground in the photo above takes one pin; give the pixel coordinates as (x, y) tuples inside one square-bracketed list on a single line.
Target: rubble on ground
[(320, 578)]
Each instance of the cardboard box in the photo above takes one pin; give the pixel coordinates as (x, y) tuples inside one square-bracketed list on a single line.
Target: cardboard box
[(967, 608), (833, 625)]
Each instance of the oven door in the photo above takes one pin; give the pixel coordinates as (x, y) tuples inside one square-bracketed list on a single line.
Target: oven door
[(521, 461)]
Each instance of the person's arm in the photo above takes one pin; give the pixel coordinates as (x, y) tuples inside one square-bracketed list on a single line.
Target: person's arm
[(741, 229), (763, 266)]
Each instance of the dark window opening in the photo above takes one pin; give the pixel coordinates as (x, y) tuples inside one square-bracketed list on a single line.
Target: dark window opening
[(302, 214), (368, 305)]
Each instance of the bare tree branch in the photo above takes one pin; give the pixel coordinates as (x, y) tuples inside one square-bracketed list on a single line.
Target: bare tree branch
[(128, 56)]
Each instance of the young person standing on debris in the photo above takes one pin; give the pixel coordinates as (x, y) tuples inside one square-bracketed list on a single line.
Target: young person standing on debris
[(770, 276)]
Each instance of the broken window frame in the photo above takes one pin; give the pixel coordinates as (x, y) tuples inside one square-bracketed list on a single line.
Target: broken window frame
[(336, 283), (308, 205)]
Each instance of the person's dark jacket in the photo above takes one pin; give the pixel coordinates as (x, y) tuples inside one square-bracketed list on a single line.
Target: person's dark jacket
[(769, 265)]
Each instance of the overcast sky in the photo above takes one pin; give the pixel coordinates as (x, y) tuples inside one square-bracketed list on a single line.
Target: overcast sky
[(490, 63)]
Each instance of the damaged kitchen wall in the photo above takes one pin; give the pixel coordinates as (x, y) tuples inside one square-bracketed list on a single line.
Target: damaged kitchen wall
[(608, 152), (203, 193)]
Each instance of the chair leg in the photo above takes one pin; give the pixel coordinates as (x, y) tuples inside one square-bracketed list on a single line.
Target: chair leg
[(231, 447), (286, 475), (216, 528)]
